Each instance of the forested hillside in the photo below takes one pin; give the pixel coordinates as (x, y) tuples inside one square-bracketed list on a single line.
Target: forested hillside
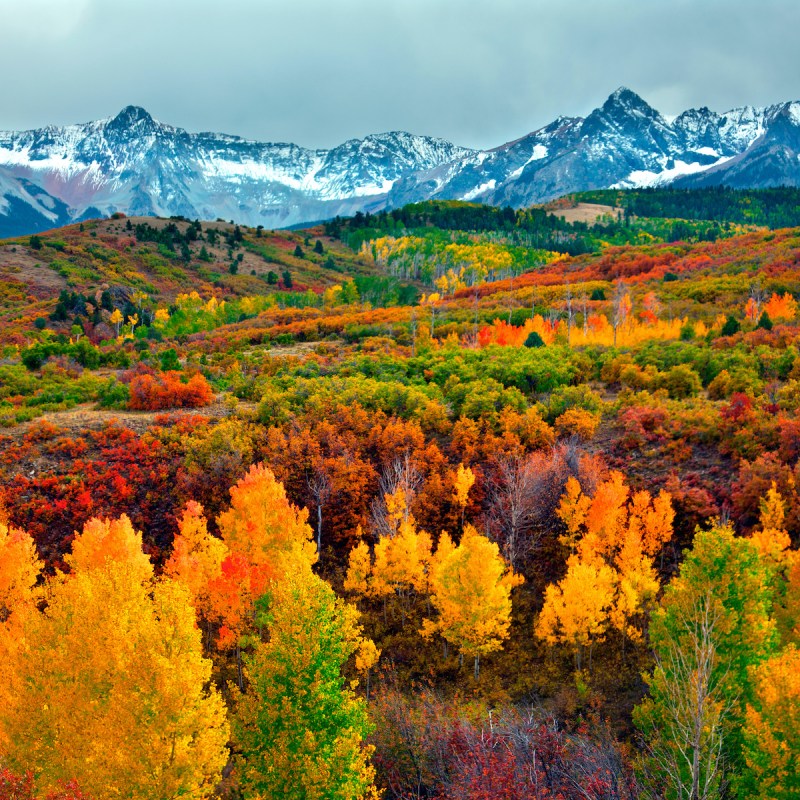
[(445, 502)]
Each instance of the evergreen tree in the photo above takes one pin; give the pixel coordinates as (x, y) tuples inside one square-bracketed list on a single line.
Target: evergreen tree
[(730, 327)]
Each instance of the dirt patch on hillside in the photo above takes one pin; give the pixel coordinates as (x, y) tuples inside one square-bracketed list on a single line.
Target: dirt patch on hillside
[(88, 417), (18, 264), (586, 212)]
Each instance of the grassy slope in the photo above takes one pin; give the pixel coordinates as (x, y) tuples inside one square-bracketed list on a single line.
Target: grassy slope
[(106, 254)]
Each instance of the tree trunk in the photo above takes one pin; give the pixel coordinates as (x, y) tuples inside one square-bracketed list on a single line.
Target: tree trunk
[(319, 530)]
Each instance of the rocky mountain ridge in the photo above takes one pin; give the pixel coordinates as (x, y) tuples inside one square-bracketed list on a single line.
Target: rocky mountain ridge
[(132, 163)]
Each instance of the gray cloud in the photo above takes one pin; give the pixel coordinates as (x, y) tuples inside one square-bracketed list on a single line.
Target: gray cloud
[(317, 73)]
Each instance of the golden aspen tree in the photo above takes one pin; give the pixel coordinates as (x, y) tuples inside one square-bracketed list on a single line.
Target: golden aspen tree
[(770, 538), (264, 527), (19, 572), (19, 569), (444, 547), (359, 567), (116, 319), (196, 558), (772, 729), (613, 537), (572, 511), (402, 565), (636, 585), (463, 482), (300, 729), (577, 610), (788, 611), (773, 544), (472, 594), (266, 538), (108, 686), (367, 657), (397, 510)]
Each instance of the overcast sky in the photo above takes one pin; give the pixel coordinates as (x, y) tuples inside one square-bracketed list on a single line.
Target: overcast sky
[(318, 73)]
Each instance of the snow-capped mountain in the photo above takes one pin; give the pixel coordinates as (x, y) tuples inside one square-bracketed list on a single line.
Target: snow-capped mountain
[(625, 143), (132, 163), (135, 164)]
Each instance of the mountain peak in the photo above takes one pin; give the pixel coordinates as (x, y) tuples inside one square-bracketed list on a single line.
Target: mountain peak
[(626, 99), (131, 116)]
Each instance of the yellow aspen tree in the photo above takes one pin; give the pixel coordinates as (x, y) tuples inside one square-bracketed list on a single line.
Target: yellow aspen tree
[(577, 610), (463, 482), (572, 510), (472, 594), (444, 547), (116, 319), (772, 729), (650, 520), (19, 569), (367, 657), (109, 685), (264, 527), (266, 538), (397, 510), (19, 572), (770, 538), (618, 534), (402, 565), (196, 558), (636, 585), (359, 568), (773, 544)]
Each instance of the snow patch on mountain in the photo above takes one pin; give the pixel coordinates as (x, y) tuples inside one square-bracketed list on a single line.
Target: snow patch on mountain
[(641, 179), (479, 190)]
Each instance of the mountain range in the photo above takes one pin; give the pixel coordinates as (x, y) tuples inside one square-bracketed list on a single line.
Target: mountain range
[(132, 163)]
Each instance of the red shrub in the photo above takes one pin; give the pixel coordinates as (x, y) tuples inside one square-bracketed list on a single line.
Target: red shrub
[(166, 390), (20, 787)]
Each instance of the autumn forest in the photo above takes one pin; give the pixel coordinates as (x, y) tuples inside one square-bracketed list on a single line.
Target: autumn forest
[(451, 501)]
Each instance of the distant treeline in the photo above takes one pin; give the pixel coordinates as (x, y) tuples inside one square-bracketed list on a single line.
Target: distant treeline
[(538, 228), (773, 208)]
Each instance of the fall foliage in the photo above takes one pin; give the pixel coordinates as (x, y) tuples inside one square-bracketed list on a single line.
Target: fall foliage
[(107, 684), (538, 459)]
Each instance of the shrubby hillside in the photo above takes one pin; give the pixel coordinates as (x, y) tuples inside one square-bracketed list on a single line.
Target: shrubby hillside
[(451, 501)]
